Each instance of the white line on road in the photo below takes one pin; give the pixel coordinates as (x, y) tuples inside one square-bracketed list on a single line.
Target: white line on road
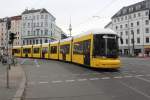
[(143, 79), (105, 78), (70, 80), (43, 82), (118, 77), (138, 75), (36, 63), (136, 90), (92, 79), (82, 79), (57, 81), (128, 76)]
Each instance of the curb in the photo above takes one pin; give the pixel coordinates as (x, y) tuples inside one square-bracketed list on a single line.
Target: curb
[(20, 92)]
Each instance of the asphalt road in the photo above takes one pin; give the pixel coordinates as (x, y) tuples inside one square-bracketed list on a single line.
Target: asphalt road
[(54, 80)]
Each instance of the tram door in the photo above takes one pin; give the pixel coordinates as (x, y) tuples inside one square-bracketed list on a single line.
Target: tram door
[(86, 49)]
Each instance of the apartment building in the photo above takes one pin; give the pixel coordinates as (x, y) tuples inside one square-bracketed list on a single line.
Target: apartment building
[(133, 25)]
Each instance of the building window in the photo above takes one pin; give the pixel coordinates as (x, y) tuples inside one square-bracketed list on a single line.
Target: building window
[(37, 32), (138, 23), (121, 33), (147, 39), (116, 27), (139, 14), (37, 24), (130, 16), (134, 15), (126, 41), (126, 25), (146, 13), (28, 24), (41, 24), (30, 41), (126, 17), (42, 16), (132, 32), (46, 32), (40, 41), (46, 41), (146, 22), (131, 24), (28, 32), (138, 31), (126, 33), (147, 30), (121, 26), (41, 32), (37, 41), (114, 20), (138, 40), (118, 19), (46, 16), (121, 18), (132, 41), (34, 32)]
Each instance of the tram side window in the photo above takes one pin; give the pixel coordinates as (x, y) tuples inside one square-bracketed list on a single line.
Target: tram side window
[(53, 49), (65, 49), (86, 46), (16, 51), (26, 50), (36, 50), (45, 50), (78, 48)]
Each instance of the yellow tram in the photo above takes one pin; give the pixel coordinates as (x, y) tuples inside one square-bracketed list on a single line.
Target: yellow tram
[(97, 48)]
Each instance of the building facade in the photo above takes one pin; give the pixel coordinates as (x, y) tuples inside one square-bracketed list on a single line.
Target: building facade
[(38, 26), (3, 33), (16, 28), (133, 25)]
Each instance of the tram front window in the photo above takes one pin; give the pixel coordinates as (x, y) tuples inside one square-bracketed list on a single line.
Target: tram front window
[(105, 46)]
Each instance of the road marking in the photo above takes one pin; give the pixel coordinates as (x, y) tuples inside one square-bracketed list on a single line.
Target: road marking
[(105, 78), (43, 82), (143, 79), (23, 61), (136, 90), (128, 76), (57, 81), (118, 77), (138, 75), (69, 80), (36, 63), (81, 80), (93, 79)]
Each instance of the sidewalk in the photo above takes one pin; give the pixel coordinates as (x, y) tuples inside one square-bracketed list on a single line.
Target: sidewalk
[(15, 76)]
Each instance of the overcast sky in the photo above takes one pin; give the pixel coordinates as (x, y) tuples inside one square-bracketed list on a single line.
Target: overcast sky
[(80, 11)]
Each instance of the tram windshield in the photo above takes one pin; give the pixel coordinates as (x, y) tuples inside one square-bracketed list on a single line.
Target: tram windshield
[(105, 45)]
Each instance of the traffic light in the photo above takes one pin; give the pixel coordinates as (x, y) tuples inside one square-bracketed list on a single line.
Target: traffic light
[(12, 36)]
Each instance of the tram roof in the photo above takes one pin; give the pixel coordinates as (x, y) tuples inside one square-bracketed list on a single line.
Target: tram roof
[(54, 42), (96, 31), (67, 39)]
